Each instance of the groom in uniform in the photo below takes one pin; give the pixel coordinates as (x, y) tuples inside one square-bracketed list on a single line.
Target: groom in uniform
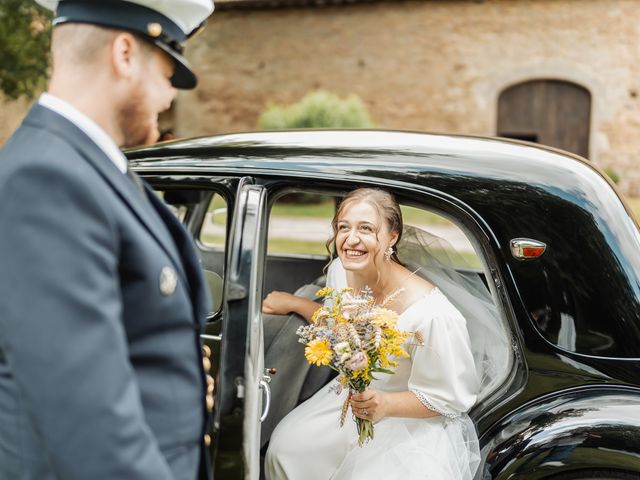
[(101, 293)]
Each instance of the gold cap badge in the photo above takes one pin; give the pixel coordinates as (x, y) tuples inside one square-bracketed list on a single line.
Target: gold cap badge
[(154, 29)]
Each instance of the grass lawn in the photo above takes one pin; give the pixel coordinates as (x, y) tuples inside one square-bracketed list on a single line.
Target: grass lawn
[(327, 209), (634, 203)]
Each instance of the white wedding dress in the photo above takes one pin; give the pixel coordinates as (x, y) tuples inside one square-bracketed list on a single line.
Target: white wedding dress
[(309, 444)]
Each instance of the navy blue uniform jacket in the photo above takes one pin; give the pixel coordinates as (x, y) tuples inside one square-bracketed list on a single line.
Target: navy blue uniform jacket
[(100, 371)]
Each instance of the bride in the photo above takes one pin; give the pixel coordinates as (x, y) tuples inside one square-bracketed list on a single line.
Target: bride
[(421, 429)]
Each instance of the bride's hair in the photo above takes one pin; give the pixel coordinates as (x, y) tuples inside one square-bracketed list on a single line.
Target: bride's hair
[(385, 204)]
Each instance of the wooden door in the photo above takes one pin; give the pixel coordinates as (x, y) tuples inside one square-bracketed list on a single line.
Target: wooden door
[(551, 112)]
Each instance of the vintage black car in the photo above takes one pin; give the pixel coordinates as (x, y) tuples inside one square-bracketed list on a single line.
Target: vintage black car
[(555, 244)]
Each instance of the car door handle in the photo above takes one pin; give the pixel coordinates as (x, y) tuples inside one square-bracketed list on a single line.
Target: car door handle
[(215, 338), (264, 386)]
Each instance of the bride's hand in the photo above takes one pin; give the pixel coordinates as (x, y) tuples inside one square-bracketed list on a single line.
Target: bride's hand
[(369, 405), (278, 303)]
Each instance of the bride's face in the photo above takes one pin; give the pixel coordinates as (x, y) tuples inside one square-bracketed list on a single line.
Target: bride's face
[(362, 237)]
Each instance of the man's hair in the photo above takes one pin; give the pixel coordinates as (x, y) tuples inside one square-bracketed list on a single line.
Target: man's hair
[(81, 43)]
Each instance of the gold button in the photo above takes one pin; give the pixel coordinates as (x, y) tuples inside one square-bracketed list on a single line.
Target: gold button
[(210, 402), (207, 440), (206, 364), (154, 29), (210, 384), (206, 351)]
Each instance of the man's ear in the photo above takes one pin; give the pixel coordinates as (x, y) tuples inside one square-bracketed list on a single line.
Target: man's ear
[(124, 55)]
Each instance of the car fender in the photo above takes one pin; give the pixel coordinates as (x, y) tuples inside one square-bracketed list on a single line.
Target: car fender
[(581, 429)]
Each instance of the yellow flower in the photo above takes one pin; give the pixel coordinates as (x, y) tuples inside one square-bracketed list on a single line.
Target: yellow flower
[(316, 314), (324, 292), (318, 352), (385, 318)]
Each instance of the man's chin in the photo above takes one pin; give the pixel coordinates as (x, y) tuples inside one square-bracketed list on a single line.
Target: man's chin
[(140, 139)]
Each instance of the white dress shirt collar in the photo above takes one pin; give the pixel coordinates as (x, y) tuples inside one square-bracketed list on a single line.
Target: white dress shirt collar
[(88, 126)]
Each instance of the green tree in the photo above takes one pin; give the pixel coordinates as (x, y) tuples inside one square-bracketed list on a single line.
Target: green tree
[(318, 109), (25, 34)]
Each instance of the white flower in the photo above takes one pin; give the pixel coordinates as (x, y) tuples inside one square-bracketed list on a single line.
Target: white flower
[(343, 350), (357, 362)]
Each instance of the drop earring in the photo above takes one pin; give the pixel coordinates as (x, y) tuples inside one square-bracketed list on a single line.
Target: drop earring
[(388, 252)]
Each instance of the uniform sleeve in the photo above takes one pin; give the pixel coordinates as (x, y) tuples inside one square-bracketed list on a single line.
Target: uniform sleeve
[(443, 374), (61, 329)]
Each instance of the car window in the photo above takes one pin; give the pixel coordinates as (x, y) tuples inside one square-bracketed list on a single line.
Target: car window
[(213, 230), (179, 210), (212, 238), (299, 228), (452, 241), (300, 224)]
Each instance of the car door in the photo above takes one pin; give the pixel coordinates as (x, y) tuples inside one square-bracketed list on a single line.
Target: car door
[(242, 383)]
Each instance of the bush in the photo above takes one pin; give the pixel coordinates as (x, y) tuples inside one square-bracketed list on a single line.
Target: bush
[(613, 175), (319, 109)]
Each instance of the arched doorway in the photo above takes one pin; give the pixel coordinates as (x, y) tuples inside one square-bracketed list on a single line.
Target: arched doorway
[(551, 112)]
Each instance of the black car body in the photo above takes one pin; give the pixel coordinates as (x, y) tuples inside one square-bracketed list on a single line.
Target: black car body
[(570, 404)]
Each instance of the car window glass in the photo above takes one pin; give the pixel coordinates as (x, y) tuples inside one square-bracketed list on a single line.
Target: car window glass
[(299, 228), (300, 223), (179, 210), (454, 245), (213, 230), (212, 240)]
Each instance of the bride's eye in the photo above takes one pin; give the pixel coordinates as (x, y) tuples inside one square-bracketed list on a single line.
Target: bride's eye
[(366, 228), (343, 228)]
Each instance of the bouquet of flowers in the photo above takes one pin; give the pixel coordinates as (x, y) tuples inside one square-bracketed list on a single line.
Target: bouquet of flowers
[(357, 338)]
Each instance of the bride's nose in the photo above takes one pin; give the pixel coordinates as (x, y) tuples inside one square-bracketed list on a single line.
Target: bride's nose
[(353, 237)]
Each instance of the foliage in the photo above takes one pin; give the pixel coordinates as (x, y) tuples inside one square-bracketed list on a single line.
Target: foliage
[(318, 109), (25, 36), (613, 174)]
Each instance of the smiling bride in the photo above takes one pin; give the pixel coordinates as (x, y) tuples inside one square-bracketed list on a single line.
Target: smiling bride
[(421, 428)]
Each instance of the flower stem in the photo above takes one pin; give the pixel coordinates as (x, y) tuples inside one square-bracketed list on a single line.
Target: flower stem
[(365, 430)]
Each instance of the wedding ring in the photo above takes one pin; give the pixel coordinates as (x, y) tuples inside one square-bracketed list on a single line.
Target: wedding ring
[(364, 412)]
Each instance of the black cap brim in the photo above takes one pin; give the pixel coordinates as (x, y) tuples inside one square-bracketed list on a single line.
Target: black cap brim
[(183, 77)]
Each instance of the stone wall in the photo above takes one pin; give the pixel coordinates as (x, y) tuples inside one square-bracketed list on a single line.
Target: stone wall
[(436, 66)]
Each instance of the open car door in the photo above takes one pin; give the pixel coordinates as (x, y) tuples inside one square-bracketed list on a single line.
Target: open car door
[(242, 384)]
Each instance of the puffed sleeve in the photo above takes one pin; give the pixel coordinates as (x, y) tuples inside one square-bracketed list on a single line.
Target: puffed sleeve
[(443, 374)]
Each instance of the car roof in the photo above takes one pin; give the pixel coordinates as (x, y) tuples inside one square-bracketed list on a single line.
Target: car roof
[(413, 152)]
